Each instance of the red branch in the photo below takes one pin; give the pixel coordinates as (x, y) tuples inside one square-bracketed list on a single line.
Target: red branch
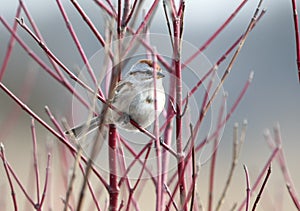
[(296, 27), (11, 44), (260, 176), (281, 160), (35, 161), (5, 164), (219, 30), (113, 178)]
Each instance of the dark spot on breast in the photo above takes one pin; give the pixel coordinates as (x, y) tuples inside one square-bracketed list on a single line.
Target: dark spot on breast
[(149, 100)]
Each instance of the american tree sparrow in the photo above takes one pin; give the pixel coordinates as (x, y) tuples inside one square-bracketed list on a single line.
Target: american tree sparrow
[(134, 97)]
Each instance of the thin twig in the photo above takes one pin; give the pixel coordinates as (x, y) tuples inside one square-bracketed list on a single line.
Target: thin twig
[(49, 149), (248, 189), (56, 60), (89, 22), (231, 111), (260, 176), (50, 129), (144, 23), (134, 154), (75, 78), (43, 65), (16, 178), (77, 43), (261, 189), (73, 176), (168, 22), (171, 198), (297, 36), (76, 153), (40, 205), (194, 176), (158, 149), (232, 61), (220, 60), (35, 161), (39, 35), (10, 46), (283, 164), (235, 154), (134, 161), (213, 69), (178, 74), (110, 11), (12, 189), (139, 177), (214, 157), (129, 16), (219, 30)]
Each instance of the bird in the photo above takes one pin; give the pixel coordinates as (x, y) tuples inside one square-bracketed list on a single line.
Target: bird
[(134, 98)]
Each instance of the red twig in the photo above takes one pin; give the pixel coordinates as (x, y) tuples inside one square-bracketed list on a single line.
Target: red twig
[(75, 78), (231, 111), (132, 10), (45, 184), (220, 60), (50, 129), (192, 140), (10, 171), (219, 30), (77, 43), (119, 17), (148, 147), (110, 11), (5, 164), (111, 6), (10, 46), (88, 22), (192, 189), (74, 153), (142, 25), (260, 176), (39, 35), (135, 155), (248, 189), (213, 68), (159, 188), (49, 147), (141, 40), (134, 161), (113, 178), (281, 160), (35, 161), (234, 57), (297, 36), (202, 114), (173, 9), (168, 133), (177, 21), (214, 157), (171, 198), (56, 60), (43, 65)]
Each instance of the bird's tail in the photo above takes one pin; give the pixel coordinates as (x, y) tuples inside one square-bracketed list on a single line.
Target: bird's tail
[(84, 128)]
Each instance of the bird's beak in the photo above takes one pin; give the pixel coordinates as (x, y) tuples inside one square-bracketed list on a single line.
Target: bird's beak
[(159, 75)]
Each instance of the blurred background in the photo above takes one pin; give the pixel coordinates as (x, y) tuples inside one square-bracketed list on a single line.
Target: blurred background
[(272, 97)]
